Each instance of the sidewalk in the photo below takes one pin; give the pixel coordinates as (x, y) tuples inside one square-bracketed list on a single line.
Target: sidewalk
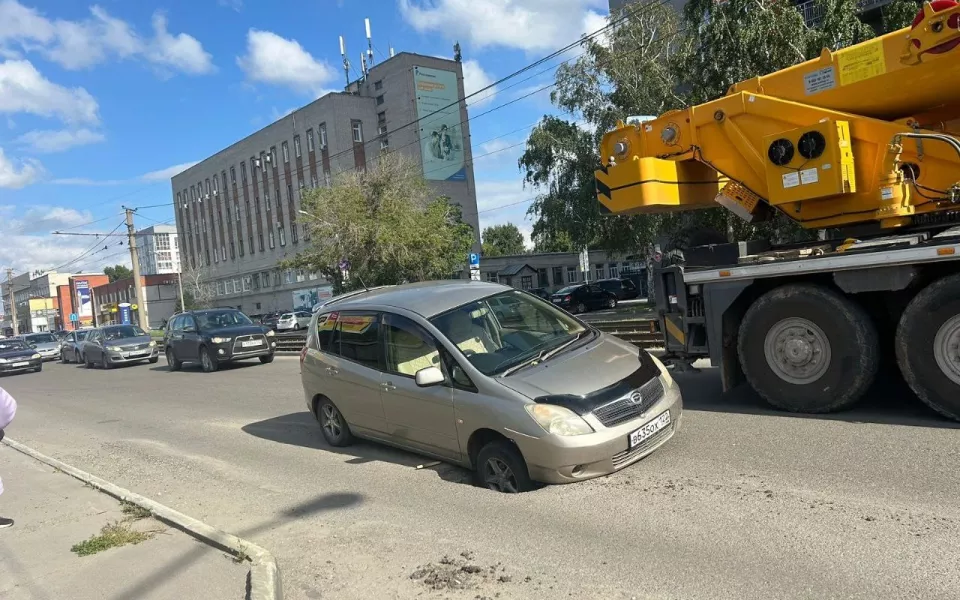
[(54, 512)]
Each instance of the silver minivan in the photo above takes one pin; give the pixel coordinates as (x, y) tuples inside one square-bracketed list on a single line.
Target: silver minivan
[(432, 368)]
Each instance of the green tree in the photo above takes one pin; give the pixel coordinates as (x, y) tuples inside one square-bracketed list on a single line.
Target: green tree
[(501, 240), (387, 223), (117, 272), (899, 14)]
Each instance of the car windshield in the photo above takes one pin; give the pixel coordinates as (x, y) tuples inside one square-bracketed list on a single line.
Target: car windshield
[(494, 340), (222, 319), (286, 316), (121, 332), (41, 338), (567, 289), (82, 335), (7, 345)]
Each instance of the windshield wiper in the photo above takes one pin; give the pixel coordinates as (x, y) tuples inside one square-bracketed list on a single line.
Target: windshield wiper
[(562, 346), (541, 356)]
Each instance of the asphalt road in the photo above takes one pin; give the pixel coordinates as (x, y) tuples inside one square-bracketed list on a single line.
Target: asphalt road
[(742, 503)]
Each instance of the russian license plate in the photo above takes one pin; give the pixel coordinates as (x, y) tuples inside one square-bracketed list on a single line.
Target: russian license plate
[(21, 364), (662, 420), (556, 300), (135, 354), (250, 343)]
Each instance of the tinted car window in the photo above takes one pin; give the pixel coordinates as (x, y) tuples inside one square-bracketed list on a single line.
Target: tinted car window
[(357, 335), (326, 324), (408, 348), (221, 319), (629, 285), (41, 338), (121, 332), (7, 345)]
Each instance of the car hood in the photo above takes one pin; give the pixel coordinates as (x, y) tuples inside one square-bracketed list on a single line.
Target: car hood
[(615, 368), (130, 341), (45, 346), (8, 354), (235, 331)]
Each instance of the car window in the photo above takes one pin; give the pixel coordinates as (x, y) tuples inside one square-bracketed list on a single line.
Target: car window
[(41, 338), (326, 324), (568, 290), (121, 332), (357, 335), (493, 345), (408, 348), (221, 319), (12, 344), (81, 335), (628, 284)]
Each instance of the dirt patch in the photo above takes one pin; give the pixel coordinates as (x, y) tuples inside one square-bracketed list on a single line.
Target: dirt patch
[(463, 572)]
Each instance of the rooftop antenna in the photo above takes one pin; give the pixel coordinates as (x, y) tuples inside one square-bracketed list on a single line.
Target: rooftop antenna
[(363, 65), (346, 63), (391, 52), (366, 22)]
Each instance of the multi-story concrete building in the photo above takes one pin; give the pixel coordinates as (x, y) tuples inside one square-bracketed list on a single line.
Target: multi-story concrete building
[(158, 250), (237, 211), (159, 291), (36, 298)]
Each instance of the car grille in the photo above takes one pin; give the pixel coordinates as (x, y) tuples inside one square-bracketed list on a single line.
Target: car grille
[(133, 347), (625, 409), (238, 343), (648, 444)]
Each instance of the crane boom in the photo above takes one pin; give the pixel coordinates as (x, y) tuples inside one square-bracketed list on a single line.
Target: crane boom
[(863, 134)]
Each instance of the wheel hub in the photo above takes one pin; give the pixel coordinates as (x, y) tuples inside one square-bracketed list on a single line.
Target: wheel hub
[(797, 350), (946, 349)]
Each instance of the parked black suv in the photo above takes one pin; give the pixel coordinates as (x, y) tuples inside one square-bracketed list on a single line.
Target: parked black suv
[(623, 288), (215, 336)]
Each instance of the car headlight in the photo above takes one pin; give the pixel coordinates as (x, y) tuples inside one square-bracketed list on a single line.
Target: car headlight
[(114, 348), (271, 333), (558, 420), (220, 340), (152, 343), (35, 356), (3, 361), (664, 372)]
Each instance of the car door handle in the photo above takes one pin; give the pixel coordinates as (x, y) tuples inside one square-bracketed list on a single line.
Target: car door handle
[(332, 371), (387, 386)]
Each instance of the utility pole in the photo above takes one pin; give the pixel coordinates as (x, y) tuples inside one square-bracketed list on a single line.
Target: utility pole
[(135, 259), (13, 305)]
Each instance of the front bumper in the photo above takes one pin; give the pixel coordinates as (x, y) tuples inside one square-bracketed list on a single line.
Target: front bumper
[(31, 363), (133, 356), (225, 352), (557, 459), (49, 354)]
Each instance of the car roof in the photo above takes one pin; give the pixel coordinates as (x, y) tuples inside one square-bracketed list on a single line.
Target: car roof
[(425, 298)]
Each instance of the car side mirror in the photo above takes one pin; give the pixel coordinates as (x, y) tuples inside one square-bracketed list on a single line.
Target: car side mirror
[(429, 376)]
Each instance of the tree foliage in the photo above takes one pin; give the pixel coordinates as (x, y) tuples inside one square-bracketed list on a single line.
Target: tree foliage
[(387, 223), (197, 291), (653, 61), (501, 240), (117, 272), (899, 14)]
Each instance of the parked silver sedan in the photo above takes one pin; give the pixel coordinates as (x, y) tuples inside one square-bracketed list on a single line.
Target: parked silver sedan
[(114, 345), (46, 344)]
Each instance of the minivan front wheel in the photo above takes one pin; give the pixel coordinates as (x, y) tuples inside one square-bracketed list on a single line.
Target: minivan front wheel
[(334, 426), (501, 468)]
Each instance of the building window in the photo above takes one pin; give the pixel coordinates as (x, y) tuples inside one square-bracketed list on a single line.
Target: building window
[(310, 140), (272, 242), (260, 236), (252, 251), (571, 274), (276, 278), (541, 278), (379, 99), (293, 230), (256, 204), (221, 288), (289, 192), (326, 178), (357, 131), (288, 276), (223, 253), (283, 237), (247, 283), (614, 270), (296, 146), (229, 286), (233, 255), (313, 275), (558, 276), (263, 161), (237, 285), (492, 276), (286, 152), (378, 85), (300, 275), (526, 282), (313, 181), (323, 135), (382, 130), (266, 199), (179, 202), (216, 183), (236, 207), (598, 270), (207, 187), (384, 145), (243, 173), (256, 281), (240, 241), (273, 156), (382, 118), (193, 194)]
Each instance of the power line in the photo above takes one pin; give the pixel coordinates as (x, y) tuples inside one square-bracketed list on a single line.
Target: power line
[(82, 254)]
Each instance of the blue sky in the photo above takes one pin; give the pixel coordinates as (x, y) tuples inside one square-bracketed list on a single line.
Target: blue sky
[(101, 103)]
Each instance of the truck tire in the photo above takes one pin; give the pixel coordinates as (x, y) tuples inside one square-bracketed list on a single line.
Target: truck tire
[(928, 346), (805, 348)]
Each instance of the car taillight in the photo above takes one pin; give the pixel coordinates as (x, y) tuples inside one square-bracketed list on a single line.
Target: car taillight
[(566, 298)]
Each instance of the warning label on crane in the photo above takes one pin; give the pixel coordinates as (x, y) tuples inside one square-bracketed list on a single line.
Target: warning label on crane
[(861, 62), (819, 80)]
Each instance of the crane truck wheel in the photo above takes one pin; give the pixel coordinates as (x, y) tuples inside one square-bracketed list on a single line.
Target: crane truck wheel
[(805, 348), (928, 346)]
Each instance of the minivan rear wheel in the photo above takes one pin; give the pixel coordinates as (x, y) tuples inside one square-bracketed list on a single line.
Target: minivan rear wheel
[(500, 467), (334, 427)]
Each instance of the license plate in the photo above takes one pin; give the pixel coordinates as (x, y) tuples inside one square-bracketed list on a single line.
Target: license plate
[(556, 300), (662, 420), (250, 343), (134, 354), (21, 364)]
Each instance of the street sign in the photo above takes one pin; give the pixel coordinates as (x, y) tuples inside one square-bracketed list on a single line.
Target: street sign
[(74, 317), (474, 259), (475, 274), (657, 257), (585, 263)]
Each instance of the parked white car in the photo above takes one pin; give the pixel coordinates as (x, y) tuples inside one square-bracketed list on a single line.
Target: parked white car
[(293, 321)]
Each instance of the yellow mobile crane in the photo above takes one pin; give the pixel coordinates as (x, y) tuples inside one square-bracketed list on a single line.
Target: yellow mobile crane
[(863, 138)]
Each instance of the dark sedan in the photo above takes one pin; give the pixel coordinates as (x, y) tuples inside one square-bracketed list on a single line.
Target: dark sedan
[(216, 336), (17, 356), (625, 289), (114, 345), (583, 297)]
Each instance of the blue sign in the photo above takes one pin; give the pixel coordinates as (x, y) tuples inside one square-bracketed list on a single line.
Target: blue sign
[(125, 315), (474, 259), (74, 317)]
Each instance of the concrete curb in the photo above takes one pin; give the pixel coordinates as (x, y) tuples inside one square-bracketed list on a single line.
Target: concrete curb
[(264, 578)]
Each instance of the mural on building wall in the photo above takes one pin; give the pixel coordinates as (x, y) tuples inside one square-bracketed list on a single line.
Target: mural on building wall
[(305, 300), (441, 135)]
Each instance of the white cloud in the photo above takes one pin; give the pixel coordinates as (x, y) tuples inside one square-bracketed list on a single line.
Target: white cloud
[(24, 89), (505, 201), (236, 5), (101, 37), (165, 174), (14, 176), (181, 52), (530, 25), (48, 141), (50, 218), (475, 79), (278, 61)]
